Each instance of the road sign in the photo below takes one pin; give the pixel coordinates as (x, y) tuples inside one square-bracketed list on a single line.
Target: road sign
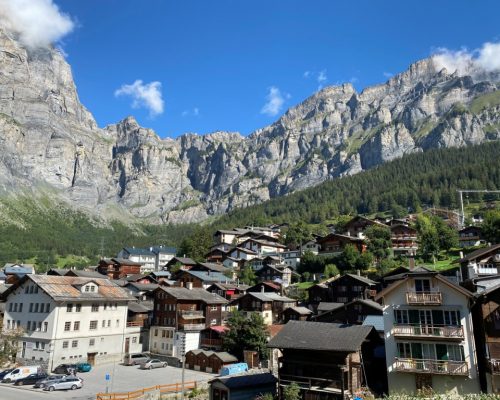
[(107, 377)]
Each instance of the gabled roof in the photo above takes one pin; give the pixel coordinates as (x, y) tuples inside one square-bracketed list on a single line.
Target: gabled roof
[(229, 286), (142, 287), (332, 235), (161, 274), (138, 277), (437, 276), (18, 269), (212, 267), (85, 274), (479, 253), (164, 249), (377, 321), (248, 379), (206, 276), (320, 336), (300, 310), (363, 279), (327, 306), (270, 297), (182, 293), (65, 288), (271, 285), (138, 307), (136, 251), (183, 261), (57, 271), (121, 261), (224, 356), (243, 250)]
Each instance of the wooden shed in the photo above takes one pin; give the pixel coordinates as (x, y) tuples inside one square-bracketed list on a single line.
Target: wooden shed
[(245, 386)]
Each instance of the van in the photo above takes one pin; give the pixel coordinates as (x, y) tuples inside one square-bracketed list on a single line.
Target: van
[(136, 359), (21, 372)]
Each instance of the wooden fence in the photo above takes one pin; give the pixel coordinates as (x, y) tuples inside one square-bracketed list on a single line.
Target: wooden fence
[(164, 389)]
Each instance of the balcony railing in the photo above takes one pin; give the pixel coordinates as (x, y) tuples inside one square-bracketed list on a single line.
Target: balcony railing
[(211, 342), (135, 324), (429, 298), (191, 314), (433, 331), (192, 327), (312, 383), (494, 365), (445, 367)]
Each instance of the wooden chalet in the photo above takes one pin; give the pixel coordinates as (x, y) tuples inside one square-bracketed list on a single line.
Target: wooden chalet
[(211, 337), (118, 268), (480, 262), (267, 287), (353, 313), (269, 305), (470, 236), (229, 291), (296, 313), (200, 279), (208, 360), (357, 226), (329, 361), (404, 240), (335, 243), (350, 287)]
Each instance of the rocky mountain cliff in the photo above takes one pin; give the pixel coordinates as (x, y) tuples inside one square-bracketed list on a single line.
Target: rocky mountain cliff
[(50, 143)]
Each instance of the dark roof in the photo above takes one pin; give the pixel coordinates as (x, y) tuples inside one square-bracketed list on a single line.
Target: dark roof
[(122, 261), (213, 267), (377, 321), (362, 279), (138, 277), (57, 271), (207, 276), (182, 260), (85, 274), (327, 306), (246, 380), (479, 253), (300, 310), (138, 251), (142, 286), (182, 293), (138, 307), (320, 336), (369, 303), (164, 249)]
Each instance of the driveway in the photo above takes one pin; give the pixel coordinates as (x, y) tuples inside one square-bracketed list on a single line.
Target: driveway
[(122, 379)]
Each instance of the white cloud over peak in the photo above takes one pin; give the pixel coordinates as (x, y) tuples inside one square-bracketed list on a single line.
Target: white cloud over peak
[(38, 23), (275, 101), (484, 59), (147, 96), (322, 76)]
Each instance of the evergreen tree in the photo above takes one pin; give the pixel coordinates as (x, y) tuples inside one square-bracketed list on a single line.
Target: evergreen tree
[(247, 276), (245, 334), (491, 226)]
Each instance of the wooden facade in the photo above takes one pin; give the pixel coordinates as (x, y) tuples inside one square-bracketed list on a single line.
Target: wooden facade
[(116, 268), (335, 243)]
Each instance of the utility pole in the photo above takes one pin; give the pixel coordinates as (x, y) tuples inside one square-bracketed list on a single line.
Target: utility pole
[(462, 211)]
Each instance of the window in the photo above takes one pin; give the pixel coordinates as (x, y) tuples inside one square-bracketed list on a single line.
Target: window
[(156, 332), (31, 307), (39, 326), (404, 350), (21, 307), (69, 307), (342, 288), (92, 342), (65, 344), (87, 288), (422, 285), (357, 288), (28, 326), (104, 323), (10, 306), (8, 324), (67, 326), (134, 339), (92, 288), (109, 323), (36, 307), (93, 325), (37, 345), (117, 323), (163, 333), (26, 289), (36, 289), (213, 308), (76, 325), (401, 316), (31, 288), (451, 317), (95, 308), (74, 343), (78, 308), (47, 307), (45, 326), (341, 299)]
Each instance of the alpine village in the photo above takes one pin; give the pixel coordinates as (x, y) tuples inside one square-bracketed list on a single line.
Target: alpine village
[(347, 250)]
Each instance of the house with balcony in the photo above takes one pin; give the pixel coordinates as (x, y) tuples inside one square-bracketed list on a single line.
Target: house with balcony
[(163, 254), (211, 337), (357, 226), (486, 318), (229, 291), (180, 313), (201, 279), (69, 319), (270, 306), (404, 240), (354, 312), (184, 263), (335, 243), (118, 268), (349, 287), (328, 361), (470, 236), (429, 337), (276, 273), (481, 262), (145, 257)]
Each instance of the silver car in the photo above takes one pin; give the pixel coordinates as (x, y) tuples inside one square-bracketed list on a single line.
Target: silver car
[(154, 363), (65, 383), (51, 378)]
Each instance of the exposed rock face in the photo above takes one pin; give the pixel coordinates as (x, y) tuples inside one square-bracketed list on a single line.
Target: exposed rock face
[(48, 140)]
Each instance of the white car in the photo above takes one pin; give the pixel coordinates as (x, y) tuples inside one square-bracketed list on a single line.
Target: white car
[(69, 382), (154, 363)]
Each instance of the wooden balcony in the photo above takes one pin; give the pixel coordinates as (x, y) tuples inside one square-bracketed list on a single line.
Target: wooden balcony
[(211, 342), (424, 298), (312, 383), (428, 331), (131, 324), (192, 327), (440, 367), (494, 366), (191, 314)]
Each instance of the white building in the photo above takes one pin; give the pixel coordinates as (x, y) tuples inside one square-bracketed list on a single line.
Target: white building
[(145, 257), (163, 255), (429, 339), (68, 319)]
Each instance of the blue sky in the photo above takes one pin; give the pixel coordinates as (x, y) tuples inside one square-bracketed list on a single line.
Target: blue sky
[(216, 61)]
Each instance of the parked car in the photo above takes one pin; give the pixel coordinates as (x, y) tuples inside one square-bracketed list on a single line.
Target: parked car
[(5, 372), (65, 369), (21, 372), (49, 379), (31, 379), (136, 359), (154, 363), (70, 382), (83, 367)]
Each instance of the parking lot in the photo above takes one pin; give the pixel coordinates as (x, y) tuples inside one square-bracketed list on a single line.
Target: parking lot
[(121, 379)]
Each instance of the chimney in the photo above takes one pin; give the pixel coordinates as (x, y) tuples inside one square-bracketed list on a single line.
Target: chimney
[(189, 285), (262, 289), (411, 263), (461, 254), (358, 272)]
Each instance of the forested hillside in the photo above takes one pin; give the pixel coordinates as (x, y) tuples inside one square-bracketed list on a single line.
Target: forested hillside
[(39, 231)]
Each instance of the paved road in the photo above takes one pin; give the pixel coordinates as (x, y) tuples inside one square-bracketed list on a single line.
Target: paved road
[(122, 379)]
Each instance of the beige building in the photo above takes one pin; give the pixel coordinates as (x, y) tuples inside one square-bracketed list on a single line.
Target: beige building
[(429, 339), (70, 319)]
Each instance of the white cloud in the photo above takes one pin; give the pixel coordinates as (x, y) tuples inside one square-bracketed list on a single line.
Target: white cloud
[(485, 59), (148, 96), (195, 112), (307, 74), (322, 77), (38, 23), (275, 101), (387, 74)]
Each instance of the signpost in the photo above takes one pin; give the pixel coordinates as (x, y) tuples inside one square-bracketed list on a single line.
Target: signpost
[(107, 377)]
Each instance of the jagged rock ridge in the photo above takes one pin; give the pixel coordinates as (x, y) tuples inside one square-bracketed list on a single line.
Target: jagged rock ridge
[(50, 142)]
